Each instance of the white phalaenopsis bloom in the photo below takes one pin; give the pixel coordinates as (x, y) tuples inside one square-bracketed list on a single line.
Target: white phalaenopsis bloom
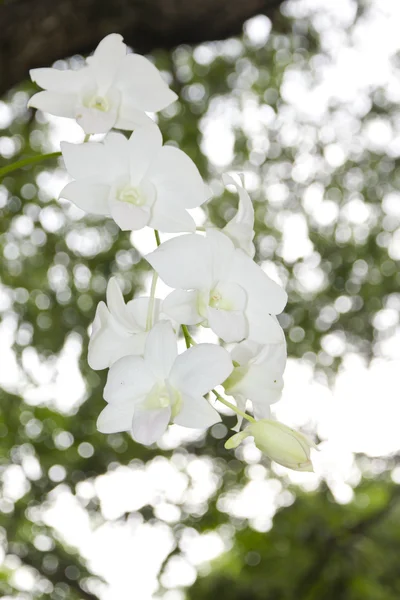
[(258, 377), (241, 228), (119, 329), (279, 442), (145, 394), (113, 89), (138, 181), (218, 286)]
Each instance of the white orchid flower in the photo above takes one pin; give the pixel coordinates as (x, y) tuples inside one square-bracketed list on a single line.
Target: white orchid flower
[(258, 376), (279, 442), (113, 89), (145, 394), (138, 181), (220, 287), (119, 329), (241, 228)]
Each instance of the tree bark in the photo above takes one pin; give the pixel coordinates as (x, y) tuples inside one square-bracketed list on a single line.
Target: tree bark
[(35, 34)]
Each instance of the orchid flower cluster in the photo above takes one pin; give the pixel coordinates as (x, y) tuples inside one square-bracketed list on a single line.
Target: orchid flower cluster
[(216, 284)]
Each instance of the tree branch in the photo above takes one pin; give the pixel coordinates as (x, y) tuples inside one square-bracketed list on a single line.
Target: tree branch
[(37, 34)]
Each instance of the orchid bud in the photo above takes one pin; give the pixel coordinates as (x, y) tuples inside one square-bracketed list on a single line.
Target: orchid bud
[(279, 442)]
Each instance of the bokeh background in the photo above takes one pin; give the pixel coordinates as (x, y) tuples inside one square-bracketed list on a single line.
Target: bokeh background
[(307, 107)]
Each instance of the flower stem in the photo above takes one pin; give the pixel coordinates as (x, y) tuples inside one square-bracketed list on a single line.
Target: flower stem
[(149, 320), (233, 407), (31, 160), (188, 338), (86, 138)]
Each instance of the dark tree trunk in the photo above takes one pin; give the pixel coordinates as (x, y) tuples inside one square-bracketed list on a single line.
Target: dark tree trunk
[(37, 33)]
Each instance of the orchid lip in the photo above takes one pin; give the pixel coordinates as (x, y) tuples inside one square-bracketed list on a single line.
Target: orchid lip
[(132, 195), (99, 103), (163, 395)]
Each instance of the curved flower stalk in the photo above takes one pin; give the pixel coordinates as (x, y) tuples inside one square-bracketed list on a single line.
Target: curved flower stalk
[(137, 182), (146, 394), (279, 442), (241, 228), (120, 329), (219, 286), (257, 376), (113, 89)]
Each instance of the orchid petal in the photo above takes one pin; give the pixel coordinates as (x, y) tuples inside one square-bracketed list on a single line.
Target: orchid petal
[(130, 117), (171, 218), (274, 355), (110, 342), (201, 368), (55, 103), (259, 385), (139, 308), (107, 346), (263, 328), (128, 378), (196, 412), (144, 145), (265, 295), (243, 352), (229, 325), (90, 197), (115, 418), (117, 306), (117, 154), (161, 349), (228, 296), (262, 410), (222, 251), (106, 60), (241, 228), (149, 425), (95, 121), (129, 217), (177, 179), (139, 79), (183, 262), (86, 161), (182, 306), (61, 81)]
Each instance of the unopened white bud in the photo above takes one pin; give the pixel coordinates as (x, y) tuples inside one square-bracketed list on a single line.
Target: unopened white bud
[(279, 442)]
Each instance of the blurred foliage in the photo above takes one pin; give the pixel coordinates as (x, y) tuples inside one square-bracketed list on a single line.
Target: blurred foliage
[(315, 549), (343, 297)]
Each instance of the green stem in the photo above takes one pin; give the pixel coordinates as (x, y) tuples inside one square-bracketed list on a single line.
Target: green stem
[(233, 407), (149, 320), (188, 338), (31, 160)]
